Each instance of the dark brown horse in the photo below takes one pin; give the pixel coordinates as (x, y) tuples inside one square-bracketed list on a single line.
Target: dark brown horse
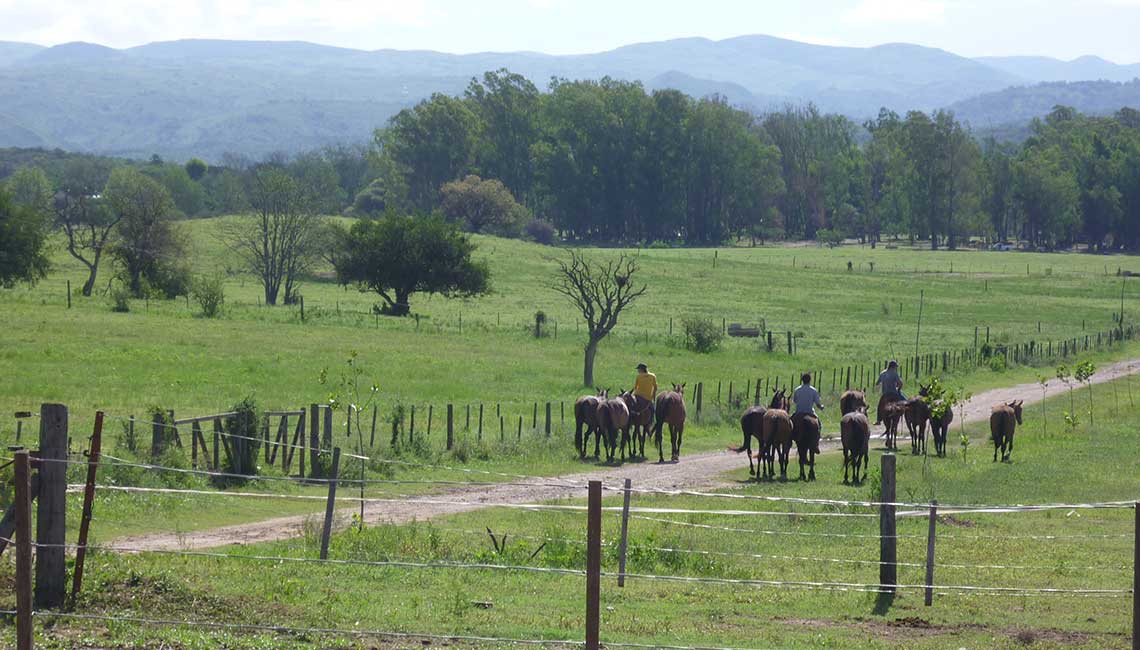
[(752, 424), (639, 420), (805, 432), (776, 438), (893, 413), (851, 401), (940, 428), (917, 414), (671, 411), (586, 414), (855, 432), (613, 426), (1004, 419)]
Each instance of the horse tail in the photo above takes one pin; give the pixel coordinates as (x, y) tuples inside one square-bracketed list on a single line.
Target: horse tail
[(747, 445), (606, 419), (660, 416)]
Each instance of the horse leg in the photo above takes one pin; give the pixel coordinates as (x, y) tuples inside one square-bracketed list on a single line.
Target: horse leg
[(811, 464), (997, 445), (658, 439), (800, 458)]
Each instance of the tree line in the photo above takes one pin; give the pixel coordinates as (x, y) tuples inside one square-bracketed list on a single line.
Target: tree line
[(608, 161)]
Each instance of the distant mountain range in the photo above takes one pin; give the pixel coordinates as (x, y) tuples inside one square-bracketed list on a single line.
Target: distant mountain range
[(205, 97)]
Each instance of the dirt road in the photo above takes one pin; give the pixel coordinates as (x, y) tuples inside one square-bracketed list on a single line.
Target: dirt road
[(694, 471)]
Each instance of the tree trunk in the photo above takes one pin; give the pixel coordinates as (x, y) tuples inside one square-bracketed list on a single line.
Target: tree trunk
[(591, 351), (93, 270), (401, 306)]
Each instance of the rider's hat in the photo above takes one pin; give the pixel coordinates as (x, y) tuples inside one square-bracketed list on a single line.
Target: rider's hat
[(642, 366), (893, 364)]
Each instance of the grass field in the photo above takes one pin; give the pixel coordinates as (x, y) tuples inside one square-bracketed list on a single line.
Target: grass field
[(1089, 549)]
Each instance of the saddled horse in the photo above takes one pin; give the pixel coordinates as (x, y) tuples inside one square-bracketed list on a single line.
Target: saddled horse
[(639, 421), (671, 411), (917, 414), (586, 414), (776, 437), (892, 413), (752, 424), (613, 426), (1004, 419), (851, 401), (855, 432), (940, 429), (805, 433)]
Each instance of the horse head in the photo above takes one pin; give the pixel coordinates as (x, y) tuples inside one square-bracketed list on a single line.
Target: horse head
[(779, 401), (601, 391), (1016, 406), (679, 388)]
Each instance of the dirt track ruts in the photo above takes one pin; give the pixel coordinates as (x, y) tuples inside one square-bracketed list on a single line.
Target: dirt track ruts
[(694, 471)]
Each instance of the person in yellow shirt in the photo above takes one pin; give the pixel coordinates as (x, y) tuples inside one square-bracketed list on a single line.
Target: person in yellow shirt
[(645, 391)]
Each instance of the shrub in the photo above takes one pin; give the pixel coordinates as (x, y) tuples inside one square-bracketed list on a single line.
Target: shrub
[(244, 441), (210, 294), (702, 335), (540, 231), (997, 363), (120, 299)]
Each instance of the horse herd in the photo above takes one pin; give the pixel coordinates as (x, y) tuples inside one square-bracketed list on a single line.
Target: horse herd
[(620, 424)]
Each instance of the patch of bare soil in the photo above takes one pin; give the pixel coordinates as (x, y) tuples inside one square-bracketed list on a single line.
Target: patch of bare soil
[(695, 471)]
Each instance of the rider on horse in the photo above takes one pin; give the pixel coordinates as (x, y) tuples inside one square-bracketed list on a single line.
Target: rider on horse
[(645, 390), (806, 398), (892, 385)]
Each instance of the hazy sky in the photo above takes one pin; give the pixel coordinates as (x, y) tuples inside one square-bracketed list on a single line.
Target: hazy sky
[(1108, 28)]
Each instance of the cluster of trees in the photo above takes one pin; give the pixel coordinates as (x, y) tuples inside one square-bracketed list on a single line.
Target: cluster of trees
[(607, 161)]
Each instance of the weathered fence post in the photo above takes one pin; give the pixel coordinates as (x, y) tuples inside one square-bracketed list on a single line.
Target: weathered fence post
[(624, 534), (330, 503), (24, 632), (327, 433), (789, 341), (518, 435), (156, 435), (88, 503), (769, 340), (372, 435), (69, 294), (51, 509), (548, 419), (450, 427), (930, 533), (314, 440), (431, 415), (593, 564), (700, 395), (480, 420), (534, 417), (888, 539)]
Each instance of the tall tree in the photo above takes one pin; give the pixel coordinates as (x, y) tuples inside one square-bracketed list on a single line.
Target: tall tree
[(276, 241), (507, 105), (82, 214), (396, 257), (148, 245), (432, 143), (600, 291), (482, 205), (23, 239), (29, 187)]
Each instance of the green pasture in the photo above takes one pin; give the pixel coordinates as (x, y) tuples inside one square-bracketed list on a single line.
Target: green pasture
[(1057, 463)]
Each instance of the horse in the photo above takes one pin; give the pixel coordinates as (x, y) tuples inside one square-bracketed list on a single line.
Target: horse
[(917, 414), (1004, 419), (851, 401), (671, 411), (613, 418), (639, 424), (939, 428), (892, 413), (586, 413), (752, 424), (805, 432), (855, 432), (776, 436)]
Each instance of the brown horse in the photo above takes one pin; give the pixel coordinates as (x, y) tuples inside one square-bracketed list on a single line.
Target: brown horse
[(917, 414), (613, 419), (671, 411), (586, 413), (855, 431), (851, 401), (892, 413), (639, 420), (776, 438), (752, 424), (805, 432), (940, 428), (1004, 419)]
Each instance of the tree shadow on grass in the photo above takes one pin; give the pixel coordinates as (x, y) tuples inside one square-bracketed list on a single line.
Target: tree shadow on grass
[(883, 603)]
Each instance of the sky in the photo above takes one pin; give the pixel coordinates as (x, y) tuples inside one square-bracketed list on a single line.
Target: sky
[(1106, 28)]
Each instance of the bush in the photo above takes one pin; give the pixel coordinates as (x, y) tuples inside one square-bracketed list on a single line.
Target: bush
[(702, 335), (210, 294), (540, 231), (244, 443), (120, 299), (997, 363)]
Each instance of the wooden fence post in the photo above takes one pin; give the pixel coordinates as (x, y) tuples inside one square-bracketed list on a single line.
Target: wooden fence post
[(450, 427), (624, 534), (69, 294), (156, 435), (51, 509), (888, 539), (431, 415), (372, 436), (930, 533), (518, 435), (548, 419), (330, 504), (700, 395), (24, 632), (314, 438), (789, 341), (88, 503), (769, 340), (480, 420), (327, 431), (593, 564)]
